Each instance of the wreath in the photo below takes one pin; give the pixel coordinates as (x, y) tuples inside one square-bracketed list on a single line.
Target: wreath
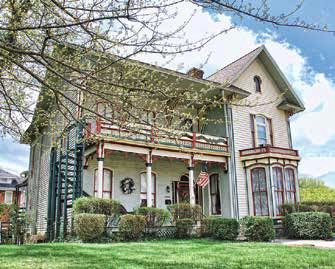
[(127, 185)]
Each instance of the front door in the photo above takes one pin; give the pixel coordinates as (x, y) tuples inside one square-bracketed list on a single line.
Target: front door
[(181, 191)]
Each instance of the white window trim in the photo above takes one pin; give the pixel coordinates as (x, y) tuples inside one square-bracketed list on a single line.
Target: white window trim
[(267, 128), (11, 197)]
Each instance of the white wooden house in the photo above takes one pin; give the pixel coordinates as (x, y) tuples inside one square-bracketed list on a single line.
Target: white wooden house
[(252, 166)]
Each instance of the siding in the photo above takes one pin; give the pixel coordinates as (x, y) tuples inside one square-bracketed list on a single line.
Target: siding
[(166, 173), (270, 98)]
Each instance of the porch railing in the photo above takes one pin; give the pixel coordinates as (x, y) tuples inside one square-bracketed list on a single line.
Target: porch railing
[(269, 149), (160, 137)]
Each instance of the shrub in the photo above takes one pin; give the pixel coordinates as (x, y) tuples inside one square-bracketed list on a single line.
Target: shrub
[(185, 211), (258, 228), (89, 227), (224, 228), (132, 227), (92, 205), (184, 227), (206, 226), (154, 217), (308, 225)]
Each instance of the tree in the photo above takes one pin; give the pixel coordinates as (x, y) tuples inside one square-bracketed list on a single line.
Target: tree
[(45, 46), (314, 190)]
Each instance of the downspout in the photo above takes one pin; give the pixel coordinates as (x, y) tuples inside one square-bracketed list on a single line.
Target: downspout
[(229, 165), (247, 186), (233, 161)]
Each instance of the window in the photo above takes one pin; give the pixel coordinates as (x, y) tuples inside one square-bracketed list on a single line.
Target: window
[(261, 130), (278, 183), (259, 192), (106, 183), (290, 185), (215, 194), (258, 82), (9, 197), (261, 127), (144, 189)]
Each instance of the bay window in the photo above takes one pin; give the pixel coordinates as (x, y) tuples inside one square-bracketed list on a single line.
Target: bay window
[(259, 192), (290, 185), (278, 183)]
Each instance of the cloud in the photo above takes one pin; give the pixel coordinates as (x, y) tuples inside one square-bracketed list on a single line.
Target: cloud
[(13, 157), (314, 126)]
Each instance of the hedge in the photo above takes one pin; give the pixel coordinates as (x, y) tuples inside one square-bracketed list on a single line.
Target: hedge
[(92, 205), (89, 227), (259, 229), (308, 225), (154, 217), (185, 211), (206, 227), (224, 228), (132, 227), (184, 227)]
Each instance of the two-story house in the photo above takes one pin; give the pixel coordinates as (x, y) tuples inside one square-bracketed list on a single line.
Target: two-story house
[(252, 166)]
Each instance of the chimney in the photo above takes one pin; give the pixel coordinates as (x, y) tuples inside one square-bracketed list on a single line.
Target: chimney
[(195, 72)]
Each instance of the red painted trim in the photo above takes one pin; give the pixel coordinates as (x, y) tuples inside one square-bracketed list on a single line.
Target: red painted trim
[(89, 130), (294, 191), (280, 191), (269, 149), (259, 190), (98, 126)]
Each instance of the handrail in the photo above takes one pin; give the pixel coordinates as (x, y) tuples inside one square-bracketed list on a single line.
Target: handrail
[(269, 149), (164, 136)]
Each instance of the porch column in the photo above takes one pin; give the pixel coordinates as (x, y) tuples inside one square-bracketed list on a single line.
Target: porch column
[(100, 159), (191, 181), (149, 175)]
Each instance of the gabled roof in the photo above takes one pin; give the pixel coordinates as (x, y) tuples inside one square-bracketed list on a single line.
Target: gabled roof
[(6, 174), (233, 71)]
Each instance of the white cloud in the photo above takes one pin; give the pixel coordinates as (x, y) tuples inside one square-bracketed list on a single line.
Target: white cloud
[(315, 89)]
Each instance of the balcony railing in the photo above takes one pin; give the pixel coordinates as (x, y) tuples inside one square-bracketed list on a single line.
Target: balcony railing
[(160, 137), (269, 149)]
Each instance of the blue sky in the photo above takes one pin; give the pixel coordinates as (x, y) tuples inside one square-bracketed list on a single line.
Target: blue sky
[(305, 57)]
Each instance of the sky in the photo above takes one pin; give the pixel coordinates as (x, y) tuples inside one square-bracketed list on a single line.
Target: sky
[(305, 57)]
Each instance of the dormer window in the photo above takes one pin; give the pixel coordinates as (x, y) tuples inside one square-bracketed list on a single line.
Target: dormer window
[(258, 83)]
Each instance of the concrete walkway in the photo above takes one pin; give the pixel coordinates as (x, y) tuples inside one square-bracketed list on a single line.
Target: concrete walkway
[(307, 243)]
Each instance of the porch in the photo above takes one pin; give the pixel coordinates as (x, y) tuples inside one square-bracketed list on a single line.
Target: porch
[(138, 176)]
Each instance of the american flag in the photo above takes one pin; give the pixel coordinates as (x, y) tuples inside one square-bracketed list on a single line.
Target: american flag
[(203, 179)]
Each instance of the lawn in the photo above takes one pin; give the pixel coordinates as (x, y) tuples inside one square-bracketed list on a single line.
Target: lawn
[(165, 254)]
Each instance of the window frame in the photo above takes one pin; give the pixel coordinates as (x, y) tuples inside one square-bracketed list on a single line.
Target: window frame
[(218, 193), (294, 191), (258, 84), (11, 197), (154, 187), (278, 191), (259, 191), (95, 191)]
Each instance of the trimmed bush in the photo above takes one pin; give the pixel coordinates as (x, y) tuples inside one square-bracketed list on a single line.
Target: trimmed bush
[(154, 217), (206, 227), (184, 227), (224, 228), (92, 205), (89, 227), (259, 229), (308, 225), (132, 227), (185, 211)]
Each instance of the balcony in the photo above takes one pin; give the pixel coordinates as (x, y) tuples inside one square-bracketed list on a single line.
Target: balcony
[(166, 139), (269, 151)]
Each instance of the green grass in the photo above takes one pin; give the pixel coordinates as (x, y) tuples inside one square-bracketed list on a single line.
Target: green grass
[(165, 254)]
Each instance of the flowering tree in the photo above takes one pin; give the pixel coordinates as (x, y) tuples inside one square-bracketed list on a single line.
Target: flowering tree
[(78, 53)]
